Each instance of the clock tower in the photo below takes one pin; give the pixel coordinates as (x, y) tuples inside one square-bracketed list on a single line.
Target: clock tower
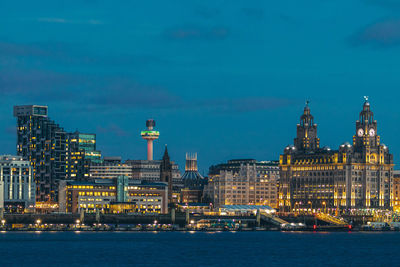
[(366, 129)]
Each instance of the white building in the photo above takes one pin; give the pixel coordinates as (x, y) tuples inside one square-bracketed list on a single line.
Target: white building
[(246, 185), (19, 187)]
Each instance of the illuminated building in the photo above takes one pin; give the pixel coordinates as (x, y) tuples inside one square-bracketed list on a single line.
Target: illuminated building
[(111, 167), (42, 142), (396, 191), (86, 143), (243, 182), (54, 154), (18, 185), (119, 195), (149, 170), (193, 181), (150, 135), (354, 176)]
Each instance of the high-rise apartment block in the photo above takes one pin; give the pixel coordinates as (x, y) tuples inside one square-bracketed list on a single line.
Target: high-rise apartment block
[(54, 154)]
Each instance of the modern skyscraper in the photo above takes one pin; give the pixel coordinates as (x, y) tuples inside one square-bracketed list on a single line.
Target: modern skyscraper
[(150, 135), (354, 176), (86, 143), (44, 143), (53, 153)]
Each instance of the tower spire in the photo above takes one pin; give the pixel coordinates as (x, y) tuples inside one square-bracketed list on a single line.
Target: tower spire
[(150, 135), (306, 131)]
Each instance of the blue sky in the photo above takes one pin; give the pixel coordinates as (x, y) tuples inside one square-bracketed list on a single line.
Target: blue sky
[(226, 79)]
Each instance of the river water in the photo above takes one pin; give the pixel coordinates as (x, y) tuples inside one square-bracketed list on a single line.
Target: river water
[(199, 249)]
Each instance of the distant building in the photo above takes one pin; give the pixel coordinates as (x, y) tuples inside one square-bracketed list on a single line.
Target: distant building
[(54, 154), (150, 170), (119, 195), (193, 181), (166, 174), (18, 192), (86, 143), (243, 182), (110, 167), (358, 176), (396, 191), (234, 165)]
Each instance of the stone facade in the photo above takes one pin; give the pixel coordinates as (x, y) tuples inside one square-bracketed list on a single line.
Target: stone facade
[(353, 177)]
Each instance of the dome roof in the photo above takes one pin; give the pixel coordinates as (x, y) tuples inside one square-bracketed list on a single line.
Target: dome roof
[(191, 175)]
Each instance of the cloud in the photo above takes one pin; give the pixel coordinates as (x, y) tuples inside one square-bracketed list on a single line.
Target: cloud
[(70, 21), (384, 3), (37, 85), (246, 104), (253, 12), (112, 129), (196, 33), (207, 12), (70, 54), (384, 33), (94, 93), (125, 93)]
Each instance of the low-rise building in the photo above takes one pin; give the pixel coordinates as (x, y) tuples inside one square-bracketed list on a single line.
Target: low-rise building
[(110, 168), (114, 196), (18, 185), (149, 170)]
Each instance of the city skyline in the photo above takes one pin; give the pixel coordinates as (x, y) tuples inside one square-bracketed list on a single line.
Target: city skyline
[(223, 81)]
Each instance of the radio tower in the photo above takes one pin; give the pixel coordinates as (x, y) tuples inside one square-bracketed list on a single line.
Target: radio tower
[(150, 135)]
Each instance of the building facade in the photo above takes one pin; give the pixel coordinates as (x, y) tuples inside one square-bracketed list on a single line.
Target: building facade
[(193, 182), (118, 195), (54, 154), (110, 168), (396, 191), (353, 177), (16, 176), (243, 182), (149, 170)]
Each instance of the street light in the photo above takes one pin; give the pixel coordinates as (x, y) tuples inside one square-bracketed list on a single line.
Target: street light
[(309, 202), (324, 204), (3, 222), (38, 221)]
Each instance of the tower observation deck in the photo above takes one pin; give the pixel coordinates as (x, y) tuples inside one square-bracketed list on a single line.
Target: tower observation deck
[(150, 135)]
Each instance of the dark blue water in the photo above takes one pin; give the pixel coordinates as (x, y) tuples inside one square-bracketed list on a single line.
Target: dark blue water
[(199, 249)]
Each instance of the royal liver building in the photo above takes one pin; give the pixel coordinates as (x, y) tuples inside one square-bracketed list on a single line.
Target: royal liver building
[(354, 176)]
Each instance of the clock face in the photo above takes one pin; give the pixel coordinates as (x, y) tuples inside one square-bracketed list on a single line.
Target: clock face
[(360, 132), (371, 132)]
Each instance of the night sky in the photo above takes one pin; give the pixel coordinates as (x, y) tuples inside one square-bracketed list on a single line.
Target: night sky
[(226, 79)]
